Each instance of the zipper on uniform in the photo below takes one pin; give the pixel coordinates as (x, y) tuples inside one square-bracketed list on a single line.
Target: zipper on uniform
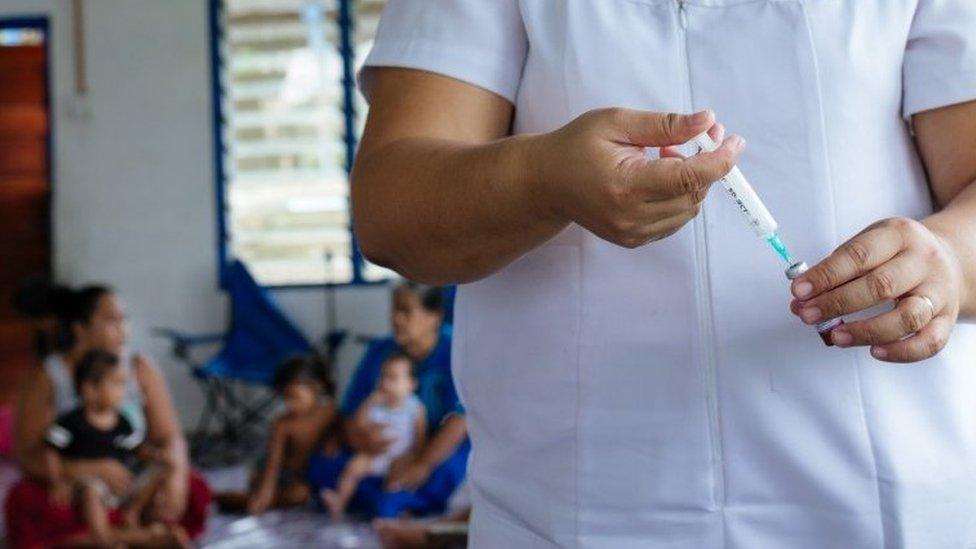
[(704, 296), (683, 21)]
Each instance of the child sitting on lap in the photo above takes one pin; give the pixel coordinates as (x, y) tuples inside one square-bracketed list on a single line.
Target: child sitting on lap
[(279, 480), (97, 430), (394, 406)]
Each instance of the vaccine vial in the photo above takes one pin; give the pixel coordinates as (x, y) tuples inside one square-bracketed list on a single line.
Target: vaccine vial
[(823, 328)]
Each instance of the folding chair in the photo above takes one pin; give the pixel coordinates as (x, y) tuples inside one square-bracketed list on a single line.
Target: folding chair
[(259, 338)]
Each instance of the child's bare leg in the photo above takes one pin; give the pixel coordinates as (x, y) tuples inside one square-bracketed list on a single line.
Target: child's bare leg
[(142, 499), (150, 537), (96, 515), (232, 502), (336, 500), (159, 536), (409, 534), (292, 495), (235, 501), (401, 534), (102, 534)]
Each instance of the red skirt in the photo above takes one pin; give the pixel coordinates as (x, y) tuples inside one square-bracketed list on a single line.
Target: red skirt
[(34, 522)]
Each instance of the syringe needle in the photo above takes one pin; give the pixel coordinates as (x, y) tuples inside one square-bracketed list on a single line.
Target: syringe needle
[(780, 248)]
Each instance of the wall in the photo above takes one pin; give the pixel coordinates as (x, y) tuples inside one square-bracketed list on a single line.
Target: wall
[(133, 179)]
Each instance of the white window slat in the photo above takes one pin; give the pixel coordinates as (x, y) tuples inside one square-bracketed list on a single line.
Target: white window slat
[(287, 199)]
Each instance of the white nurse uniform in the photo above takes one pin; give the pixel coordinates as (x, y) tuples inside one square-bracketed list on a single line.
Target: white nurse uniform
[(664, 396)]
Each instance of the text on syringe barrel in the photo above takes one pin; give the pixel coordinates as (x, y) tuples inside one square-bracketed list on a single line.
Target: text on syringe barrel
[(745, 197), (749, 204)]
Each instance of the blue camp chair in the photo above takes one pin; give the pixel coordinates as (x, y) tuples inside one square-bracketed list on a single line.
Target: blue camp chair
[(259, 338)]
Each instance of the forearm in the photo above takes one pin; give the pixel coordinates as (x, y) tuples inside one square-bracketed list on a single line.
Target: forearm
[(31, 462), (360, 419), (441, 211), (43, 468), (354, 430), (272, 465), (35, 413), (72, 469), (145, 495), (419, 436), (172, 451), (445, 441), (358, 438), (52, 466), (956, 224)]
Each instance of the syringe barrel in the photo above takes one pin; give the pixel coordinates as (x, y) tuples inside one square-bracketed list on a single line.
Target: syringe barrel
[(748, 202), (744, 196)]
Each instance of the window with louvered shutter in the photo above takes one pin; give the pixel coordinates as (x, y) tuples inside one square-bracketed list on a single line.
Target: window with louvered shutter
[(283, 117)]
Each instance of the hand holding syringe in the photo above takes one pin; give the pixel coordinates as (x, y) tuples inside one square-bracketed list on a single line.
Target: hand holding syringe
[(762, 223)]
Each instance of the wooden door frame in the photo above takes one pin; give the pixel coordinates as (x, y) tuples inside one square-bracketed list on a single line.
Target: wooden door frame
[(42, 23)]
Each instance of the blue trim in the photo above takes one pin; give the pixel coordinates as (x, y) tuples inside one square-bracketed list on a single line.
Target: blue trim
[(345, 22), (41, 23), (217, 92), (347, 50)]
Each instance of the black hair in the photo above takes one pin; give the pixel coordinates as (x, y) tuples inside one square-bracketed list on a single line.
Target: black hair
[(38, 297), (93, 367), (400, 355), (304, 369), (431, 297)]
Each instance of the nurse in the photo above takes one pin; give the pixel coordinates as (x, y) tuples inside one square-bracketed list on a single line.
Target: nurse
[(632, 374)]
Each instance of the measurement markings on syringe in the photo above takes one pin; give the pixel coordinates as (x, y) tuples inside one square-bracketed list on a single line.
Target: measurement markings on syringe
[(742, 207)]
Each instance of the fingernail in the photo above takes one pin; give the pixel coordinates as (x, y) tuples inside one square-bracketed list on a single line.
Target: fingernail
[(841, 338), (802, 289), (810, 315), (879, 352), (700, 117), (737, 143)]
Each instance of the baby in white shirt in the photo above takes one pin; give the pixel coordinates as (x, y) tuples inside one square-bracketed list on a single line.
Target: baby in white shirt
[(394, 406)]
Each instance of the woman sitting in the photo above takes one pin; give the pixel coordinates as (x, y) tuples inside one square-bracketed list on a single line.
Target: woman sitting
[(94, 318), (419, 482)]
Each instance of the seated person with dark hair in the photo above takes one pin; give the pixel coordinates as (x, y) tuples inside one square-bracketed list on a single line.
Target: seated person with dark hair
[(97, 430), (279, 479), (93, 318), (422, 482)]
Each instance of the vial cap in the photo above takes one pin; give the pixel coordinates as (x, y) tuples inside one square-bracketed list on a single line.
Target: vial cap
[(796, 269)]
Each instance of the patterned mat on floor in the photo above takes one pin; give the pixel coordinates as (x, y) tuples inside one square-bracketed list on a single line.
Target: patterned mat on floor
[(277, 529)]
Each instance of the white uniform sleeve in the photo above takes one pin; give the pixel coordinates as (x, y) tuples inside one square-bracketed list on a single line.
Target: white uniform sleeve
[(940, 58), (481, 42)]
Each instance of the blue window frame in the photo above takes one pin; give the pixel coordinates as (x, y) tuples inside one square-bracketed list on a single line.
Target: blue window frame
[(342, 14)]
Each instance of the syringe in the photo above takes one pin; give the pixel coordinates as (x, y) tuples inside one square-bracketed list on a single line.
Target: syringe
[(749, 204), (763, 224)]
